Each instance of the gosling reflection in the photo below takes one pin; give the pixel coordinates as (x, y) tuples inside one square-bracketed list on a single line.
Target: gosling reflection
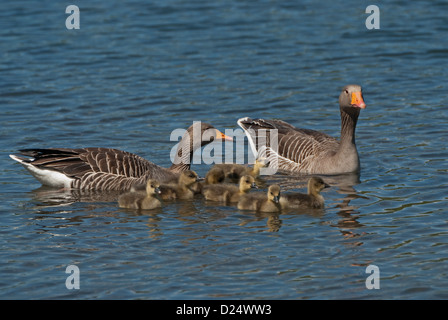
[(273, 221), (50, 197), (343, 184)]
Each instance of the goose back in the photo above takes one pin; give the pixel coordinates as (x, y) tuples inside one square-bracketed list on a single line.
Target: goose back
[(292, 149)]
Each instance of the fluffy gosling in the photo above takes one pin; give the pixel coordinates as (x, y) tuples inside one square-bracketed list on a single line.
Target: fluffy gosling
[(146, 200), (228, 192), (269, 202), (313, 199), (235, 171), (182, 189), (214, 175)]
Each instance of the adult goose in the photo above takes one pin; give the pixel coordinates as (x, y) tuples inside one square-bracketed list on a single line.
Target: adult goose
[(111, 169), (308, 151)]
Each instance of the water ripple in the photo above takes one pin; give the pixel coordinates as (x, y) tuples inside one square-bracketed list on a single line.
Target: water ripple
[(135, 71)]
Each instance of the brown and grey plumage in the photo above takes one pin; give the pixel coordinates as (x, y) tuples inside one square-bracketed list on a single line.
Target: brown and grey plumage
[(313, 199), (269, 202), (111, 169), (309, 151), (146, 200), (182, 189), (229, 193), (235, 171)]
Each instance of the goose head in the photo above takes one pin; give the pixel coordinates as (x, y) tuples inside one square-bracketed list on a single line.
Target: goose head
[(247, 182), (201, 134), (316, 185), (187, 178), (261, 162), (153, 187), (351, 100), (274, 193), (197, 135)]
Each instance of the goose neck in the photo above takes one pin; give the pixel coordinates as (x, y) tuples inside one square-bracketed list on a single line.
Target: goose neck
[(184, 154), (348, 126)]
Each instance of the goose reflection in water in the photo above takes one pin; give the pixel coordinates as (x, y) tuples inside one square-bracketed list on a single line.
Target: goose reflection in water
[(343, 184)]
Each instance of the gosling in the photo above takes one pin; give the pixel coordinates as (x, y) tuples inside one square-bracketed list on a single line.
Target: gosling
[(235, 171), (260, 202), (214, 175), (141, 199), (229, 193), (313, 199), (182, 189)]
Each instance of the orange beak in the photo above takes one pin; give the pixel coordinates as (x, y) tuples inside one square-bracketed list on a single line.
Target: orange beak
[(357, 100), (222, 136)]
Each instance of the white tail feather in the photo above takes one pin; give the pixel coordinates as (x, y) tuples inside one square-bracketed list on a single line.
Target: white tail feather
[(47, 177)]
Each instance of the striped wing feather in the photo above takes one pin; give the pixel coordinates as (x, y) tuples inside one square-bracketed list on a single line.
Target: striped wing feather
[(98, 168), (296, 147)]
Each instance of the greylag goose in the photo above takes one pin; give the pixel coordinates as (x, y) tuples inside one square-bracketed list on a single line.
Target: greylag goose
[(142, 200), (308, 151), (111, 169), (313, 199), (228, 193), (235, 171), (181, 189), (269, 202)]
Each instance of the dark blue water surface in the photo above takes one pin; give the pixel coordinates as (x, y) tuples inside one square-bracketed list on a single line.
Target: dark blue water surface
[(137, 70)]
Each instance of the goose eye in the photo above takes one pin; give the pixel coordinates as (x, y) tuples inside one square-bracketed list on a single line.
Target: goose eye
[(346, 91)]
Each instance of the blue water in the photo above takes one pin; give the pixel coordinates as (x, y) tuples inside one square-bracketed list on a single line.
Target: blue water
[(137, 70)]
